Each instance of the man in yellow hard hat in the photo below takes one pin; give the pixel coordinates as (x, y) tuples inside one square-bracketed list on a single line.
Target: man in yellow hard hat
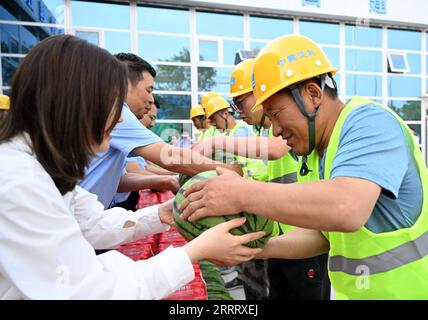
[(197, 115), (288, 278), (363, 196), (4, 105)]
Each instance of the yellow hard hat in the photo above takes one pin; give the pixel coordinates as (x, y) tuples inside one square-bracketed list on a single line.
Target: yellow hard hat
[(197, 110), (4, 102), (285, 61), (207, 96), (214, 105), (240, 79)]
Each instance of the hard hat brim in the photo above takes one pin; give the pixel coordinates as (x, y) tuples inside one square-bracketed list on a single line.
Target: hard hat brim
[(281, 86)]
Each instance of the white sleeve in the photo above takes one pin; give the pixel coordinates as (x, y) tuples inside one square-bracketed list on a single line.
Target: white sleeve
[(43, 254), (104, 228)]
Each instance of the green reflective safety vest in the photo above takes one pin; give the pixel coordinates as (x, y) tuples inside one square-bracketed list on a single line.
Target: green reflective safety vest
[(366, 265), (258, 169), (278, 170), (243, 160), (211, 132)]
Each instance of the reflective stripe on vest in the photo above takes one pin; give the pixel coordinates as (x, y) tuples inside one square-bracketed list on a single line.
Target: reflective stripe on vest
[(386, 261), (367, 265)]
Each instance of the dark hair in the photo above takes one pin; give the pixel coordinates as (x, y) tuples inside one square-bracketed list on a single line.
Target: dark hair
[(135, 66), (63, 95), (331, 92)]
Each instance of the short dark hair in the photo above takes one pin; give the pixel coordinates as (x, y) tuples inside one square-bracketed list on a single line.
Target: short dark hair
[(331, 92), (135, 66), (63, 95)]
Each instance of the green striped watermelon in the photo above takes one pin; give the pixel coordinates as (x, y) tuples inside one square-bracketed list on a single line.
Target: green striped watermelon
[(191, 230), (219, 156)]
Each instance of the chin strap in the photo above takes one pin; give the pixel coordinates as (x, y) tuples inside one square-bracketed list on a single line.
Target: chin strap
[(259, 127), (304, 170)]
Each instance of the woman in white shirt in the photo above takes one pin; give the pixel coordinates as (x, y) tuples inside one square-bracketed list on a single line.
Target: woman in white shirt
[(66, 97)]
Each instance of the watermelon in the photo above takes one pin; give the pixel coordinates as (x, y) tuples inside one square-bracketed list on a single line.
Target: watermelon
[(191, 230), (182, 179), (219, 156)]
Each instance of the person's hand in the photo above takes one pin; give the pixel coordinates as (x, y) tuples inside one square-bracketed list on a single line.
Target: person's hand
[(165, 212), (174, 185), (213, 197), (218, 245), (205, 147), (167, 183), (235, 167)]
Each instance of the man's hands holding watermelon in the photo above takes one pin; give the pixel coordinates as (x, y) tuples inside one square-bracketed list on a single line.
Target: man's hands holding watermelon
[(218, 245), (213, 197)]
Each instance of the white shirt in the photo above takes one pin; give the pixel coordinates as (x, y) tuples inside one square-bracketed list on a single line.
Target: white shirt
[(47, 240)]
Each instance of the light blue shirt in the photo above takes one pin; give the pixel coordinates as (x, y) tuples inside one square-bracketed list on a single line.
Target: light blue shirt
[(122, 196), (103, 174), (141, 162), (244, 131), (372, 147)]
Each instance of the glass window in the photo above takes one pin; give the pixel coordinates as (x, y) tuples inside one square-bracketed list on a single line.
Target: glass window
[(174, 106), (407, 110), (163, 19), (9, 66), (90, 36), (214, 79), (363, 60), (44, 11), (363, 36), (320, 32), (20, 39), (102, 15), (208, 50), (6, 92), (337, 79), (167, 130), (116, 42), (172, 78), (230, 48), (414, 60), (363, 85), (397, 62), (164, 48), (218, 24), (417, 131), (334, 55), (404, 87), (269, 28), (404, 39)]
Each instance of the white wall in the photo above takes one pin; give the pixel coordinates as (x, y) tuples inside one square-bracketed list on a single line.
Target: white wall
[(399, 12)]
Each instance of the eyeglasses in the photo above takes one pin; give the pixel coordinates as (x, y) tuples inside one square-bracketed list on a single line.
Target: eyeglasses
[(237, 106)]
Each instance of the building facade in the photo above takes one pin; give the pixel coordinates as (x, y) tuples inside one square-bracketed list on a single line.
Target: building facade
[(379, 46)]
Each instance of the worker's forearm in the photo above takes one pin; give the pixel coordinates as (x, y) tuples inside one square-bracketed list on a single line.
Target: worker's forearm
[(263, 148), (158, 170), (134, 182), (320, 205), (297, 244), (188, 162)]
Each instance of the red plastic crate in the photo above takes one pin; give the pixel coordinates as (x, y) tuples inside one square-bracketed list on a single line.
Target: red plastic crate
[(137, 252), (165, 195), (172, 237), (147, 198), (195, 290)]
